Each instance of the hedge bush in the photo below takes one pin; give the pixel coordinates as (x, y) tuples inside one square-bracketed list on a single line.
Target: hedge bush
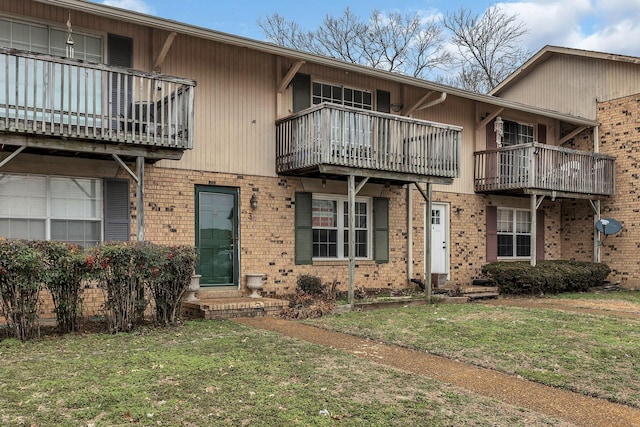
[(547, 277), (65, 270), (21, 275)]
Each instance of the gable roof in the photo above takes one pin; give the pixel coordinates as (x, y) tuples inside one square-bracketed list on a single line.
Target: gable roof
[(547, 52), (270, 48)]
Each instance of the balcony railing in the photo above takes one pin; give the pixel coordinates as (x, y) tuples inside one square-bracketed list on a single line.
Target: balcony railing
[(543, 167), (329, 134), (52, 96)]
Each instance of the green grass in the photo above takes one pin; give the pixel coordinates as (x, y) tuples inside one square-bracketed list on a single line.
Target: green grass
[(594, 355), (222, 373), (624, 295)]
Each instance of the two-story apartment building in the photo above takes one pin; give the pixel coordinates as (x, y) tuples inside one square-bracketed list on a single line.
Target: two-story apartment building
[(271, 160), (604, 87)]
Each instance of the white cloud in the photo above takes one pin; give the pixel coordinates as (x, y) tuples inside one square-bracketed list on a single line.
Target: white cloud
[(132, 5), (601, 25)]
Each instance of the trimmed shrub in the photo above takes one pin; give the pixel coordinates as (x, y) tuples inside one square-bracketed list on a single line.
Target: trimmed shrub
[(122, 268), (547, 277), (21, 269), (66, 268), (309, 284), (171, 269)]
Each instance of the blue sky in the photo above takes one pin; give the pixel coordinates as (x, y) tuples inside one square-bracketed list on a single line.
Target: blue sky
[(601, 25)]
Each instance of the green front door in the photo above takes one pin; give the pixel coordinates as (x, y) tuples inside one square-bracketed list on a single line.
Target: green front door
[(217, 235)]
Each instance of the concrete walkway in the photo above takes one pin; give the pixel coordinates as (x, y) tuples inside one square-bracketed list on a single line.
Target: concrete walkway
[(572, 407)]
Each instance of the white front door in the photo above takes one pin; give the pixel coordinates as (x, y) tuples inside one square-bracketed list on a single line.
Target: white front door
[(439, 238)]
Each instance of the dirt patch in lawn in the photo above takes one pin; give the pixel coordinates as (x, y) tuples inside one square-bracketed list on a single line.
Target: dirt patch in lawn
[(572, 407), (611, 307)]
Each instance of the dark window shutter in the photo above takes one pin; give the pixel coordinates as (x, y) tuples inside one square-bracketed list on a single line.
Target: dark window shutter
[(540, 235), (383, 101), (304, 230), (301, 92), (491, 135), (542, 134), (381, 230), (492, 233), (116, 210)]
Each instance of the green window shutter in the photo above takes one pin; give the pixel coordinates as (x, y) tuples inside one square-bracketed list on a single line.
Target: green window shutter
[(381, 230), (116, 210), (301, 92), (304, 230)]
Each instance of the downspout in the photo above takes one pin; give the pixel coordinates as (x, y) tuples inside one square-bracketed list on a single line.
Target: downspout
[(440, 100), (409, 232)]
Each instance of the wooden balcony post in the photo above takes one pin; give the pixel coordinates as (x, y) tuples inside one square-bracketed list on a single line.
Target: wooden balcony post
[(352, 236), (534, 208), (140, 198)]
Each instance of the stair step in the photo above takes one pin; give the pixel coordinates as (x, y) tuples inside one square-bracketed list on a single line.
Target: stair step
[(481, 295), (215, 294)]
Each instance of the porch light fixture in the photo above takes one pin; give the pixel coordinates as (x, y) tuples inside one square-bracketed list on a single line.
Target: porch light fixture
[(253, 201), (396, 107)]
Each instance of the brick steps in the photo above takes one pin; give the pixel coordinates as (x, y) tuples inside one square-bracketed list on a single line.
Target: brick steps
[(232, 307)]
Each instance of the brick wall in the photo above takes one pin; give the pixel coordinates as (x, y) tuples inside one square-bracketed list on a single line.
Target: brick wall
[(620, 137)]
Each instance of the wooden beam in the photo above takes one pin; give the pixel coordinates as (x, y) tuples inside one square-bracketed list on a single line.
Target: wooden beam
[(125, 167), (490, 117), (425, 196), (415, 106), (163, 52), (91, 147), (289, 76), (382, 175), (532, 242), (11, 156), (352, 238), (571, 135), (140, 199), (427, 244)]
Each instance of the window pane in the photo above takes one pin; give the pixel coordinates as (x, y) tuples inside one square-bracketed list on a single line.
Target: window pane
[(29, 229), (84, 233), (361, 243), (523, 222), (505, 245), (523, 245), (505, 221), (325, 243), (325, 213)]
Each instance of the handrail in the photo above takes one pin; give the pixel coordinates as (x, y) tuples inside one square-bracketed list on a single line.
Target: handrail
[(344, 136), (53, 96)]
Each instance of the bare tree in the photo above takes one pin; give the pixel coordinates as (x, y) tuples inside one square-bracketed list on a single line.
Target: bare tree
[(488, 45), (405, 44)]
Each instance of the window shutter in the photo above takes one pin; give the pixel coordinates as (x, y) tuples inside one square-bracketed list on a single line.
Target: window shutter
[(381, 230), (491, 135), (492, 233), (542, 134), (301, 92), (383, 101), (120, 53), (116, 210), (304, 230), (539, 235)]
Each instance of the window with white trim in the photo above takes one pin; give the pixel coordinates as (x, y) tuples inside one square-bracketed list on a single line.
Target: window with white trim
[(38, 207), (45, 39), (517, 133), (350, 97), (330, 223), (514, 233)]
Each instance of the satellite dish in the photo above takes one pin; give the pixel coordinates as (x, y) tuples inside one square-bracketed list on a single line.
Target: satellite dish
[(608, 226)]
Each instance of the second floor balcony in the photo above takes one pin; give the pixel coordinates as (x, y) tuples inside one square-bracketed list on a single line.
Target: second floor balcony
[(53, 97), (330, 139), (545, 169)]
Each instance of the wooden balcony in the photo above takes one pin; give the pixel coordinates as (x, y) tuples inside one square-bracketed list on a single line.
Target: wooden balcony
[(332, 140), (543, 169), (61, 103)]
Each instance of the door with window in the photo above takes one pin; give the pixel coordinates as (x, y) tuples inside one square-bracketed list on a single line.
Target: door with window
[(217, 235), (439, 238)]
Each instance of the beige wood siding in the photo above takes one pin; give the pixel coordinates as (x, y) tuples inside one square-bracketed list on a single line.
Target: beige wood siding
[(572, 84)]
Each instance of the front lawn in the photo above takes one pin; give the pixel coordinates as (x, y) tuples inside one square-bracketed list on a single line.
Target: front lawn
[(592, 354), (211, 373)]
